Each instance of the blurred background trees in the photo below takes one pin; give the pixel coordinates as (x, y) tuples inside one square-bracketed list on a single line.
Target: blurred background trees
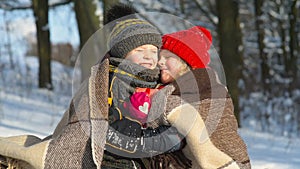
[(257, 41)]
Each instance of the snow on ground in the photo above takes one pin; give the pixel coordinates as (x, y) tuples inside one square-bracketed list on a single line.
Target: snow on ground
[(25, 109), (20, 115), (268, 151)]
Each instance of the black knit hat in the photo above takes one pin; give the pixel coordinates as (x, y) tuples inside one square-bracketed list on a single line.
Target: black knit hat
[(130, 32)]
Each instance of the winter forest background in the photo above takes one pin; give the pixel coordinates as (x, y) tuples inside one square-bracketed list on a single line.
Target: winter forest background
[(257, 41)]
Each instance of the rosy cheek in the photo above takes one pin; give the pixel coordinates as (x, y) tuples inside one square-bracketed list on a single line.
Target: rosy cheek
[(166, 77)]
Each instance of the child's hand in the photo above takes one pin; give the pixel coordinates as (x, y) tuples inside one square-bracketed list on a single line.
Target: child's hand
[(139, 106)]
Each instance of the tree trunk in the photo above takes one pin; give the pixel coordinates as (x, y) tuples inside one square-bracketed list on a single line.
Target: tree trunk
[(230, 48), (40, 8), (283, 36), (265, 77), (88, 23), (294, 45)]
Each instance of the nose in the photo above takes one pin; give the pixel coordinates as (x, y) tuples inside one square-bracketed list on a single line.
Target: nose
[(161, 62), (147, 54)]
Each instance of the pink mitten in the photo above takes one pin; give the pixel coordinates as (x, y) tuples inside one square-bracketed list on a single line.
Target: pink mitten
[(139, 106)]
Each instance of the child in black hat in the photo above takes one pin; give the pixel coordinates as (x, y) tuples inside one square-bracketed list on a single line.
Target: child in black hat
[(133, 56)]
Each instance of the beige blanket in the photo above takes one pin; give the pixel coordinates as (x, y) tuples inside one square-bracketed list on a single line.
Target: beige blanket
[(78, 140)]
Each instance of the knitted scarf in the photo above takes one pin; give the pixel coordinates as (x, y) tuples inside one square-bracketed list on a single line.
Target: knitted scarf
[(134, 74)]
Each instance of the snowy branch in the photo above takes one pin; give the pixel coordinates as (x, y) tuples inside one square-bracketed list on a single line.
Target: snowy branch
[(207, 13)]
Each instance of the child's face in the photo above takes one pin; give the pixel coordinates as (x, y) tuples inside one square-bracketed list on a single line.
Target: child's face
[(171, 66), (146, 55)]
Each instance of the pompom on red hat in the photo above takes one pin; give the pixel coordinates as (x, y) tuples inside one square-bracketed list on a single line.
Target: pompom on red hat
[(191, 45)]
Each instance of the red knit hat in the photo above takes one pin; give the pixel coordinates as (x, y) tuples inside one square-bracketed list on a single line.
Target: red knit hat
[(191, 45)]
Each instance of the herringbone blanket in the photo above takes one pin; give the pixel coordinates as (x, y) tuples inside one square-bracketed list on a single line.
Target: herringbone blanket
[(79, 139)]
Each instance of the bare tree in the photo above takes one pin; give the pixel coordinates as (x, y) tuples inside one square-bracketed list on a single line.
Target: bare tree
[(230, 47), (294, 43), (282, 30), (8, 45), (265, 77), (88, 23), (40, 8)]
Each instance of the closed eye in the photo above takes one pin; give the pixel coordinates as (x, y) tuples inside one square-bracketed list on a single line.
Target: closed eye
[(166, 56)]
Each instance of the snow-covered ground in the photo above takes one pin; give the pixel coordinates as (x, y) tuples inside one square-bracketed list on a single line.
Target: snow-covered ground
[(25, 109), (268, 151)]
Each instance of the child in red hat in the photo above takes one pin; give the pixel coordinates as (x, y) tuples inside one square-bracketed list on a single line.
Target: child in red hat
[(196, 103)]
